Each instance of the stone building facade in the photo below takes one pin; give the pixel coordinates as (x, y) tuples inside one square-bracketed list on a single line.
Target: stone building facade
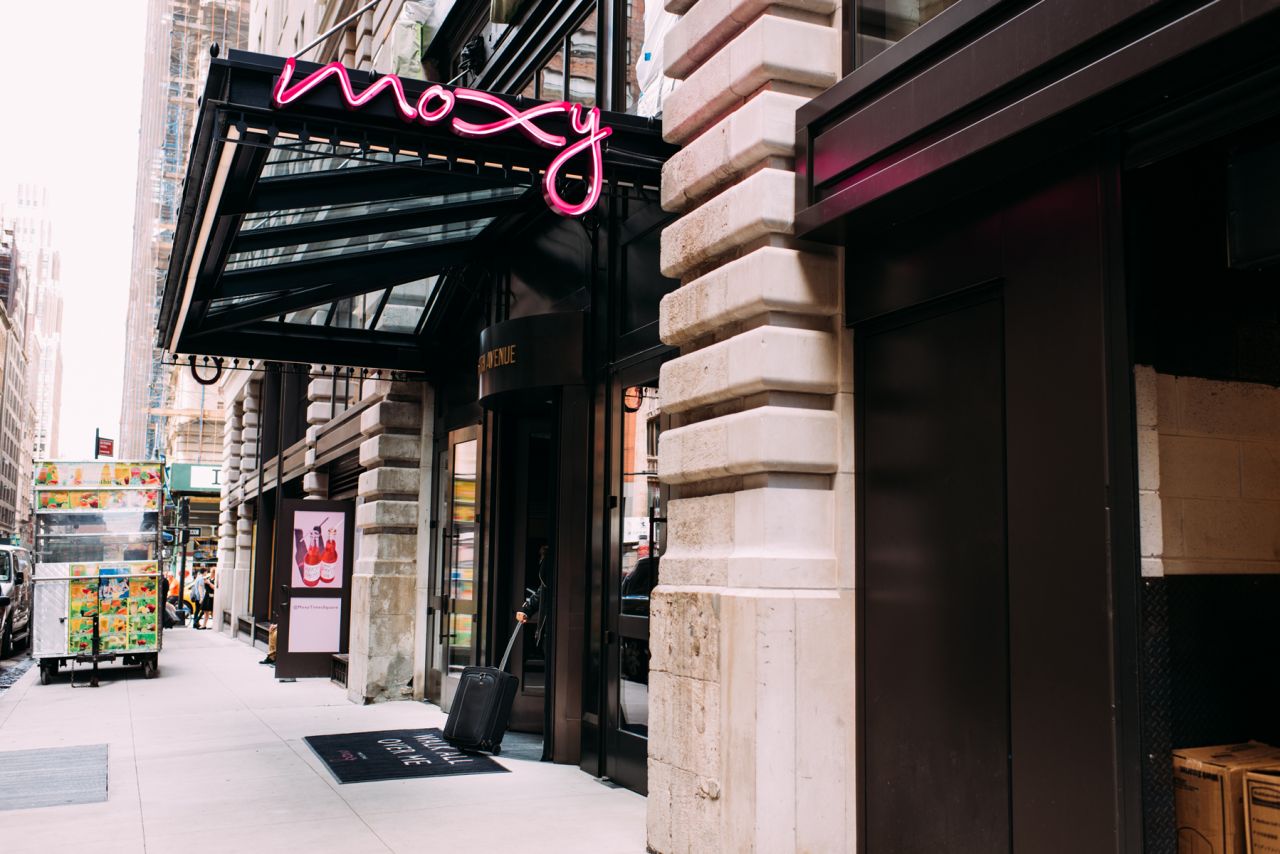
[(755, 616), (1065, 411), (750, 685)]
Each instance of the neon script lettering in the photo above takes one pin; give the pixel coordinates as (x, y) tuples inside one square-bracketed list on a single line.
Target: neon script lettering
[(437, 103)]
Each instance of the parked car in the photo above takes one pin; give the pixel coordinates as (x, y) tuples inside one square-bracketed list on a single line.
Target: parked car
[(15, 599)]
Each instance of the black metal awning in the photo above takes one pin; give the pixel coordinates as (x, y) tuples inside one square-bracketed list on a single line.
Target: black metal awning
[(324, 229)]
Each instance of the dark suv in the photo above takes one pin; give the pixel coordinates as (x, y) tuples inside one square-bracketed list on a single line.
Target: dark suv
[(15, 598)]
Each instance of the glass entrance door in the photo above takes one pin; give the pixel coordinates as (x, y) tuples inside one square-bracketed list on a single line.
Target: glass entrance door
[(637, 529), (458, 625)]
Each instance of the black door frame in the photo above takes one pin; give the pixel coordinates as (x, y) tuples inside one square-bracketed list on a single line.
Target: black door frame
[(444, 565), (294, 664), (624, 757)]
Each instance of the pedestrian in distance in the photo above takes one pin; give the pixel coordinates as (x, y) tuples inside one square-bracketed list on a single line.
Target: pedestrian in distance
[(168, 616), (539, 606), (208, 598), (539, 602), (271, 647), (200, 594)]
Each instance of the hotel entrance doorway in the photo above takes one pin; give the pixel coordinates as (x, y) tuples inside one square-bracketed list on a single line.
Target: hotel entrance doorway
[(530, 463)]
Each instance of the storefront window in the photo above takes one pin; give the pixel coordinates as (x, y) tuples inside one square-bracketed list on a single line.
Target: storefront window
[(582, 63), (551, 79), (880, 24)]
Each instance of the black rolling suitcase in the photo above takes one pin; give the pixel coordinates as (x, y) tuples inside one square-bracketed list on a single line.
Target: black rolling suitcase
[(482, 705)]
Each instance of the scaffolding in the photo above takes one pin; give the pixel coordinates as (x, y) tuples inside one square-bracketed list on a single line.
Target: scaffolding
[(179, 35)]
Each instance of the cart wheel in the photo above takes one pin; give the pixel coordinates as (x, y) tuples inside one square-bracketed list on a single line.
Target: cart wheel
[(497, 750), (46, 674), (150, 667)]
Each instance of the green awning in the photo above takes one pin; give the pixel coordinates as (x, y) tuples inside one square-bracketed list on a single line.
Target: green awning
[(195, 479)]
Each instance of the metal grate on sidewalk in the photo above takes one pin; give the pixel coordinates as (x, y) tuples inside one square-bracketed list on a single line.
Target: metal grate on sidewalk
[(53, 776)]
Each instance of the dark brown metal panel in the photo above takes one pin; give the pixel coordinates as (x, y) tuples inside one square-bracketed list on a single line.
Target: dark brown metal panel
[(1061, 666), (573, 518), (593, 678), (956, 96), (960, 79), (945, 257), (934, 584), (1070, 717), (263, 548)]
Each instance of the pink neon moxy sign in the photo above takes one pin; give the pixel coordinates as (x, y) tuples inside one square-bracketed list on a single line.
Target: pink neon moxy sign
[(436, 104)]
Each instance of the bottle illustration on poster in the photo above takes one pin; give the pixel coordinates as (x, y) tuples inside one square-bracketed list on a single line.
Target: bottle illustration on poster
[(330, 565), (318, 549)]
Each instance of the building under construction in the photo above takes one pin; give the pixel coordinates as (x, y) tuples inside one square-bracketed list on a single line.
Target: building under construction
[(163, 411)]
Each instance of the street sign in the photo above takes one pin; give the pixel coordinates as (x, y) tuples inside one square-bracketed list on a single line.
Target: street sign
[(103, 447)]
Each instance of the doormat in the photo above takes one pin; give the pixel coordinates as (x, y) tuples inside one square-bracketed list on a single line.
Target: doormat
[(396, 754), (53, 777)]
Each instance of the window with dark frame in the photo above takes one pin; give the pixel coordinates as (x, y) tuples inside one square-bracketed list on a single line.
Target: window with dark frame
[(580, 53), (880, 24)]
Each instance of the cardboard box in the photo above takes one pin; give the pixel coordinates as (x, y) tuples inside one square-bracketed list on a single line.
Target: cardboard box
[(1208, 795), (1262, 810)]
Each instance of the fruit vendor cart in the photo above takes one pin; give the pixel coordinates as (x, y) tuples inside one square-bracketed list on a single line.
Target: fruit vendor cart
[(97, 580)]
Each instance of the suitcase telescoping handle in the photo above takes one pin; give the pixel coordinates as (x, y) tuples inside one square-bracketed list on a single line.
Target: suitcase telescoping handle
[(510, 643)]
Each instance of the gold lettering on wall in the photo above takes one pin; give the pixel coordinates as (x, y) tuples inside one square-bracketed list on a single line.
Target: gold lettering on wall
[(498, 357)]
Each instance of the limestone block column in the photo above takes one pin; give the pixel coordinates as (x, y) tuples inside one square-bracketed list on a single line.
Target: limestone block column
[(319, 396), (751, 690), (250, 420), (224, 593), (244, 560), (320, 391), (384, 588), (232, 438)]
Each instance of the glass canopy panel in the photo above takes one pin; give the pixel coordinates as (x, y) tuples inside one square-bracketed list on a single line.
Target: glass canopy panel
[(339, 213), (424, 236), (406, 304), (356, 312), (314, 316), (220, 303), (290, 157)]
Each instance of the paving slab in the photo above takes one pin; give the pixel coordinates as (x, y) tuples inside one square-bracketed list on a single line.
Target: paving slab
[(216, 735)]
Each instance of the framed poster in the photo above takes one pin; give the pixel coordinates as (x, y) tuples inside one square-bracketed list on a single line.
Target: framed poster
[(319, 549), (311, 590)]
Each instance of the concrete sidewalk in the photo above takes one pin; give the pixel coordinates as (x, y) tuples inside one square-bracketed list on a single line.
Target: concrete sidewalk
[(210, 757)]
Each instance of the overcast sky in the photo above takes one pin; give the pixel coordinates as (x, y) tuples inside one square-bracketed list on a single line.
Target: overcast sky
[(72, 73)]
